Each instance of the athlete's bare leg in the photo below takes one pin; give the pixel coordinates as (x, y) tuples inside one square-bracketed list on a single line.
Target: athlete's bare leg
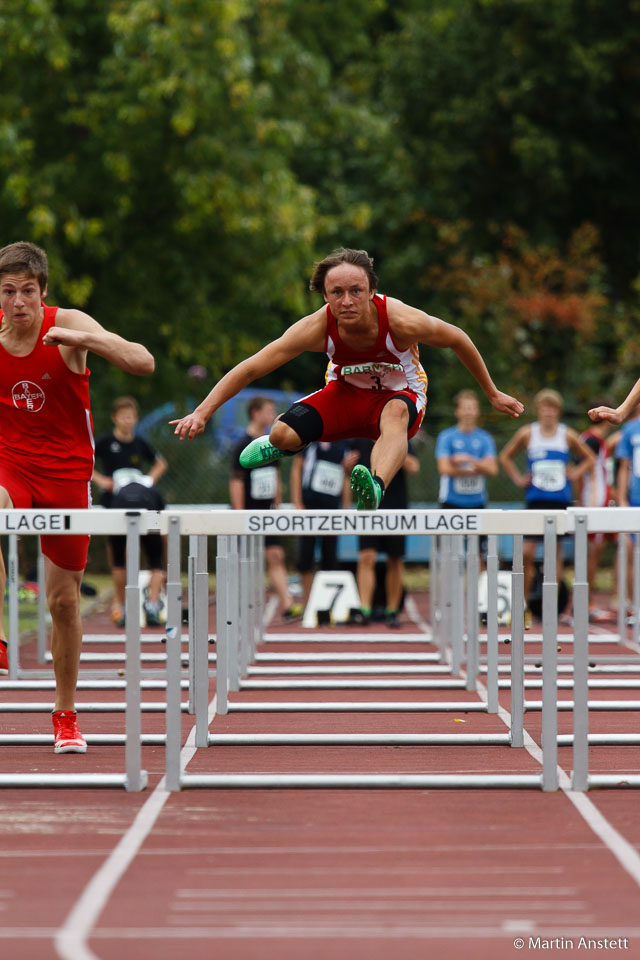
[(6, 503), (277, 571), (391, 447), (63, 597), (155, 585), (529, 552), (119, 575), (284, 437), (393, 582), (366, 576)]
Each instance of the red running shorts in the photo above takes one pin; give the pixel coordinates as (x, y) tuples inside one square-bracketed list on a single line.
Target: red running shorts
[(26, 492), (348, 412)]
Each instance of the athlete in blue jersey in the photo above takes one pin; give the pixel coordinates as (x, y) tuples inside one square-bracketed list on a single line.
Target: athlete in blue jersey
[(628, 486), (466, 456), (549, 447), (628, 453)]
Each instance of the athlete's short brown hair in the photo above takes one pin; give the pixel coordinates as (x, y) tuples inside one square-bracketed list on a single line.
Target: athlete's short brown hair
[(464, 395), (257, 403), (359, 258), (125, 403), (25, 258)]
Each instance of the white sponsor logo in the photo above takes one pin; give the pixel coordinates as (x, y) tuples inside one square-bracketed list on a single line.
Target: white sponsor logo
[(28, 396)]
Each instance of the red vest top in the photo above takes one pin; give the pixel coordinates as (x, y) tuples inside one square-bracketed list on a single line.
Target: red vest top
[(383, 366), (45, 419)]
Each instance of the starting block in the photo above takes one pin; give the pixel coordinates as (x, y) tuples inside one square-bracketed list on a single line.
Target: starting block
[(333, 593), (504, 596)]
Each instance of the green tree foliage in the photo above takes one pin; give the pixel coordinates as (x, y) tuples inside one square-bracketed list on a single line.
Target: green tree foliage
[(184, 163), (523, 111)]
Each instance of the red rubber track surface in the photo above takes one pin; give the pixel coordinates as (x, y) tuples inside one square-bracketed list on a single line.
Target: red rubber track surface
[(243, 874)]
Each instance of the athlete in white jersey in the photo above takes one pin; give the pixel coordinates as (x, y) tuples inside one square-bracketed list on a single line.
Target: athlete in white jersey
[(550, 472)]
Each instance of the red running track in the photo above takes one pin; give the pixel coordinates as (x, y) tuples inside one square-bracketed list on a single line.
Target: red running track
[(238, 875)]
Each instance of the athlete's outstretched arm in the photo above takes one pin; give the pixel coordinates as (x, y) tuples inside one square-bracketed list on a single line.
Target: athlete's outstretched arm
[(621, 413), (410, 325), (76, 333), (306, 334)]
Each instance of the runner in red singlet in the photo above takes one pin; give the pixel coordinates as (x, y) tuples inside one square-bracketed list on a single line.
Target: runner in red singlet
[(46, 444), (375, 387)]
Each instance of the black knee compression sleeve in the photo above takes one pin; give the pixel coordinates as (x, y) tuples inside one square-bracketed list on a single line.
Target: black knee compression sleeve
[(305, 420)]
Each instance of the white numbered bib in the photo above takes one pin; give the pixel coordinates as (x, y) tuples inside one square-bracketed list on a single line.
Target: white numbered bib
[(327, 478), (467, 485), (549, 475), (375, 376), (636, 461), (264, 483)]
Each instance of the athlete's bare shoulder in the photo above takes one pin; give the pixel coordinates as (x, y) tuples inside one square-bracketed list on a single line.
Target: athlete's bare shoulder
[(308, 333), (408, 324)]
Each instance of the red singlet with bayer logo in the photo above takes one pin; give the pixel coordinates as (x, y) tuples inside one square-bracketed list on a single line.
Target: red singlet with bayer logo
[(45, 418)]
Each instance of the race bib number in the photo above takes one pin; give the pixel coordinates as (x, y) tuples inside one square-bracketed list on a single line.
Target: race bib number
[(549, 475), (468, 485), (375, 376), (636, 461), (327, 478), (264, 483)]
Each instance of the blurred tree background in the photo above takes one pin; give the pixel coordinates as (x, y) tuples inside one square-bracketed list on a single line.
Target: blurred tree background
[(184, 162)]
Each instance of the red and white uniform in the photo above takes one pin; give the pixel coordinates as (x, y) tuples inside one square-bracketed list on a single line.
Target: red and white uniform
[(46, 438), (360, 382)]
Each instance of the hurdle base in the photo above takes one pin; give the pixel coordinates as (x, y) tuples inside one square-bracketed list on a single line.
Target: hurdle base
[(82, 780)]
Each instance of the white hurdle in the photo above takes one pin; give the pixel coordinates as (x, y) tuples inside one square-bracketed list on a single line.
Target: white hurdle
[(68, 522), (241, 666), (237, 637)]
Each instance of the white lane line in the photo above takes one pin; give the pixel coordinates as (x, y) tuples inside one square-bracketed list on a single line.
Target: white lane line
[(624, 852), (71, 939), (245, 930)]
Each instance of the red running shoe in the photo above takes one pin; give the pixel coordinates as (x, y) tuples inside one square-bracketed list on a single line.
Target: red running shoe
[(4, 658), (68, 738)]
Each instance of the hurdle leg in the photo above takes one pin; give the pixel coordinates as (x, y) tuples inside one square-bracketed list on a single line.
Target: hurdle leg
[(191, 603), (255, 600), (492, 624), (13, 645), (517, 643), (636, 589), (260, 575), (622, 586), (472, 611), (136, 778), (201, 643), (42, 608), (457, 604), (445, 587), (173, 719), (244, 560), (580, 777), (222, 624), (550, 659), (233, 613)]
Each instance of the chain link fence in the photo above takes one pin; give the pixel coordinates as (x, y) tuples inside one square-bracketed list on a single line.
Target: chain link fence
[(199, 470)]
